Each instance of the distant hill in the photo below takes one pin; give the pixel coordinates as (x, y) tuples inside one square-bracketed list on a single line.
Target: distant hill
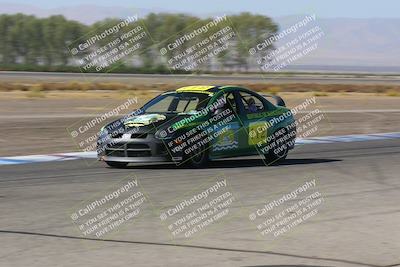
[(355, 42)]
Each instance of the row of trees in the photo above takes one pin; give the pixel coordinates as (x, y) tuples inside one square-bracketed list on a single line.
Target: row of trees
[(45, 42)]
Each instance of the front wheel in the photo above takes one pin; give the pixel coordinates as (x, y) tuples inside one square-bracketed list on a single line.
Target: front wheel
[(198, 158), (115, 164)]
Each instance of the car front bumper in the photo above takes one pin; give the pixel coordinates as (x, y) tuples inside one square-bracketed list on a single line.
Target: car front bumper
[(141, 148), (135, 159)]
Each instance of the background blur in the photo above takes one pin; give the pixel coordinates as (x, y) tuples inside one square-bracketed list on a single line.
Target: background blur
[(361, 36)]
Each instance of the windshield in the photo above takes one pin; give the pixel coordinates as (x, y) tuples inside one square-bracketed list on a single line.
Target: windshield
[(177, 103)]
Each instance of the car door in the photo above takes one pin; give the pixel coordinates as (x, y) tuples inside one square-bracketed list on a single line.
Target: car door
[(229, 136), (255, 114)]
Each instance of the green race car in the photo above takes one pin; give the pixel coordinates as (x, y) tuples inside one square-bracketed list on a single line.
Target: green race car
[(195, 124)]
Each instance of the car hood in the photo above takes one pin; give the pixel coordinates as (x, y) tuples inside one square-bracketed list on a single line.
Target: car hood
[(143, 120), (144, 123)]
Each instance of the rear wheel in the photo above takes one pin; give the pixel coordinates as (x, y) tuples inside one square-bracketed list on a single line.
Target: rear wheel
[(115, 164), (279, 152)]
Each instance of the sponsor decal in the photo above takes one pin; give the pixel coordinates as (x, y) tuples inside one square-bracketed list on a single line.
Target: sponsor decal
[(256, 136), (227, 140)]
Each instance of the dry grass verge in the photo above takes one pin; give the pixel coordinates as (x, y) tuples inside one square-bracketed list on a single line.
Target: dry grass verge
[(39, 89)]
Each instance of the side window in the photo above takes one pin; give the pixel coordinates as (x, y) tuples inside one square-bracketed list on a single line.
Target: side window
[(230, 102), (251, 103)]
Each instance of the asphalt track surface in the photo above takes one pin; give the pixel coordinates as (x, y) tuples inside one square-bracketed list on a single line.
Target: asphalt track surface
[(10, 76), (356, 225)]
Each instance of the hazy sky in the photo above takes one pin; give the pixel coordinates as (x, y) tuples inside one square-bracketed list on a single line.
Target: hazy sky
[(324, 8)]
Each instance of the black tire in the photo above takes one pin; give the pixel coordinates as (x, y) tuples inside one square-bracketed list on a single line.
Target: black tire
[(278, 153), (198, 158), (116, 164)]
